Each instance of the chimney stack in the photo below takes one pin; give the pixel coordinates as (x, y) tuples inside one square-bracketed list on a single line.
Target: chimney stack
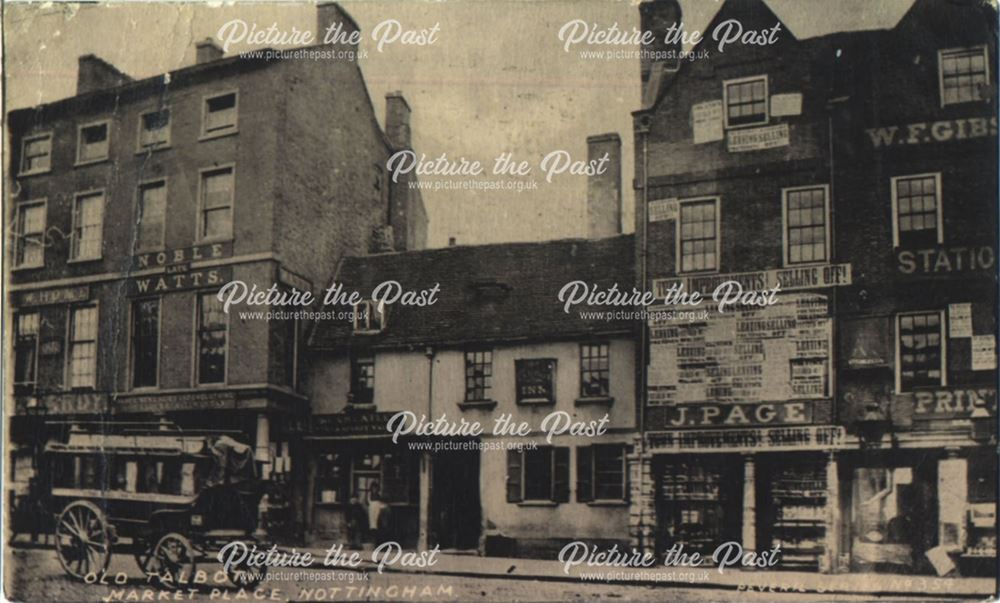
[(604, 191), (97, 74), (335, 27), (658, 16), (207, 51), (397, 120)]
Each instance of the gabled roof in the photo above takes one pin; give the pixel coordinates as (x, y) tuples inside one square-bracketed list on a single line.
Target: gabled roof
[(488, 293)]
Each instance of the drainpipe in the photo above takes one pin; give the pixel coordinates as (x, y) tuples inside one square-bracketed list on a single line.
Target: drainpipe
[(643, 132), (426, 464)]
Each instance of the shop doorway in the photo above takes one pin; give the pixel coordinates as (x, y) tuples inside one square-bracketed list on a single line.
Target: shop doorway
[(456, 514), (699, 502)]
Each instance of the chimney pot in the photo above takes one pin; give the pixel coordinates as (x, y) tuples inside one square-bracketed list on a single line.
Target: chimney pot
[(604, 190), (207, 51)]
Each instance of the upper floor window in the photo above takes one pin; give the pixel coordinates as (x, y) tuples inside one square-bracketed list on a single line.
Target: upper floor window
[(745, 100), (216, 204), (82, 347), (362, 380), (88, 226), (601, 473), (698, 235), (25, 349), (29, 224), (145, 342), (92, 144), (219, 114), (806, 230), (916, 210), (368, 318), (594, 370), (152, 213), (212, 336), (36, 154), (919, 337), (154, 129), (963, 73), (478, 374), (536, 379)]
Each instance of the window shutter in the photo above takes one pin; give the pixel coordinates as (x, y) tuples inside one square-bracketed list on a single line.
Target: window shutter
[(514, 476), (584, 474), (560, 489)]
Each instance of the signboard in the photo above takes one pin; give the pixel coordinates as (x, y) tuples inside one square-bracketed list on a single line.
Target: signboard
[(786, 104), (706, 121), (662, 209), (180, 401), (942, 260), (743, 440), (171, 257), (65, 403), (959, 320), (923, 132), (984, 352), (351, 424), (52, 297), (790, 279), (778, 352), (679, 416), (182, 281), (758, 139), (952, 403)]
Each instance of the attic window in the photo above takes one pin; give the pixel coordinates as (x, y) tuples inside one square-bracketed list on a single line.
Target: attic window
[(963, 73), (368, 318)]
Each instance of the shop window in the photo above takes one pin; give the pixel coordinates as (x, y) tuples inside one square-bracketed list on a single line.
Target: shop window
[(154, 129), (29, 248), (213, 327), (806, 229), (92, 143), (698, 236), (145, 342), (594, 370), (601, 473), (152, 210), (216, 222), (885, 531), (538, 475), (963, 74), (88, 227), (536, 380), (331, 478), (82, 347), (746, 101), (369, 317), (219, 115), (916, 211), (919, 350), (36, 154), (363, 380), (26, 326), (478, 374)]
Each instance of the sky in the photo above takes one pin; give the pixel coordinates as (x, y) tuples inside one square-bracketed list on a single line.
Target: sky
[(495, 80)]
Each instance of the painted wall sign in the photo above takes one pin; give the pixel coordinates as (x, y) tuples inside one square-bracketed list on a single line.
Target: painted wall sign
[(741, 440), (790, 279), (662, 209), (758, 139), (65, 403), (786, 104), (945, 259), (952, 403), (923, 132), (779, 352), (52, 297), (351, 424), (959, 320), (678, 416), (166, 283), (984, 352), (168, 257), (706, 120), (179, 401)]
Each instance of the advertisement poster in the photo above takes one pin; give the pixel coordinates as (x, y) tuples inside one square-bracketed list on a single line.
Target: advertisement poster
[(404, 300)]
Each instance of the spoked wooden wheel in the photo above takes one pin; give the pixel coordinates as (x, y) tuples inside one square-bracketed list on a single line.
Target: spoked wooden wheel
[(243, 575), (142, 552), (173, 561), (83, 540)]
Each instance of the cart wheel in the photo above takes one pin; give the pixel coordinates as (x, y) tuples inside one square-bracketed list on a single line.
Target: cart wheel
[(242, 575), (83, 540), (141, 553), (172, 561)]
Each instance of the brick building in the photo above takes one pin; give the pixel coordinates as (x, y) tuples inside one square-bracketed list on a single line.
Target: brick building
[(135, 200), (850, 423)]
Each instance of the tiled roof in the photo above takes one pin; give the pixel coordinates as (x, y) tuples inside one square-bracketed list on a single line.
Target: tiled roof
[(487, 292)]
